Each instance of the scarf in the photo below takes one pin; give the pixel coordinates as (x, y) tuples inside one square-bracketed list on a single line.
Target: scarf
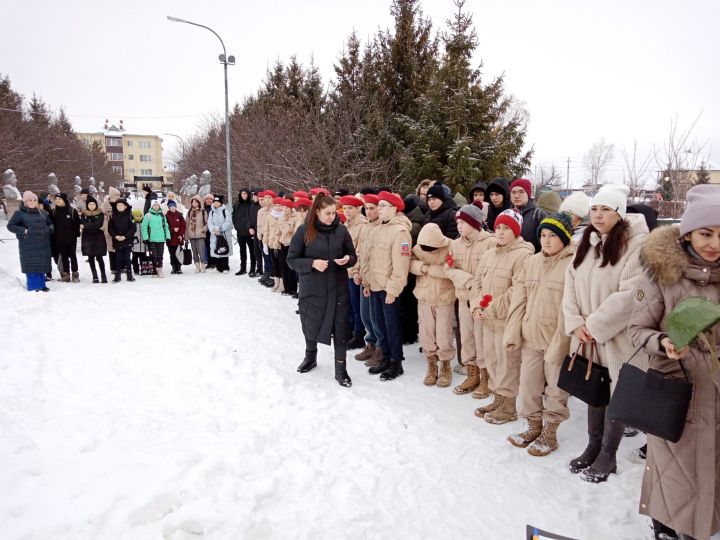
[(277, 214)]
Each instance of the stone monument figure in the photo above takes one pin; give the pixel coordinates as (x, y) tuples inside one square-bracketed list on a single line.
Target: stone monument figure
[(205, 179), (53, 188), (12, 193)]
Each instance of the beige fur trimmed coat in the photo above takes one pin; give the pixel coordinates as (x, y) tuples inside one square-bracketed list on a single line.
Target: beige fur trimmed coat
[(681, 484)]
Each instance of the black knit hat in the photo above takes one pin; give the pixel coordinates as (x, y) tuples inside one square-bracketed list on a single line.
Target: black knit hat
[(437, 191), (560, 224), (220, 198), (91, 199)]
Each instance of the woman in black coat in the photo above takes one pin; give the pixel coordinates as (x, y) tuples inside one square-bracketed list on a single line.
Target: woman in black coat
[(66, 221), (93, 244), (32, 227), (321, 250)]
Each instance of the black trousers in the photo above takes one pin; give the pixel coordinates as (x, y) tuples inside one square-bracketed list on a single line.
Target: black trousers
[(246, 243), (68, 257), (340, 350), (157, 250), (222, 263), (289, 276), (276, 265), (100, 263), (174, 261), (257, 250), (122, 259)]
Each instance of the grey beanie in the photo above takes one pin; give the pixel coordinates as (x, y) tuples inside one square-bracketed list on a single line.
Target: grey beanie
[(471, 215), (702, 210)]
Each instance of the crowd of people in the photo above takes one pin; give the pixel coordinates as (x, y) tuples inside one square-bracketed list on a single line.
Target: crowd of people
[(504, 284)]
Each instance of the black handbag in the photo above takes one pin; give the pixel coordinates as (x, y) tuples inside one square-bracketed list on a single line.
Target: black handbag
[(650, 402), (585, 379), (184, 254), (221, 245)]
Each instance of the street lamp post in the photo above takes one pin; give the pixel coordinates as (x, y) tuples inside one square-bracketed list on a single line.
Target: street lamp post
[(224, 60)]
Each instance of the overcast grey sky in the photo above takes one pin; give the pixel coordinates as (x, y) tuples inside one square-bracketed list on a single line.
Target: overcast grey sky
[(584, 69)]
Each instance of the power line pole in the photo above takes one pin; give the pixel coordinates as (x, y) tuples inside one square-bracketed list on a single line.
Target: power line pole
[(567, 178)]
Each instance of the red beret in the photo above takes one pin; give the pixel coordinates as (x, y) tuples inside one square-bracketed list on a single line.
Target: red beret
[(302, 202), (287, 203), (342, 217), (371, 199), (269, 193), (393, 199), (300, 195), (318, 190), (278, 200), (350, 200)]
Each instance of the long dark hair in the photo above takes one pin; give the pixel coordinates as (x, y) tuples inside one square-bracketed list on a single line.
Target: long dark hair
[(611, 250), (320, 203)]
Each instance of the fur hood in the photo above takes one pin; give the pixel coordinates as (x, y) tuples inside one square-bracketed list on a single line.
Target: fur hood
[(666, 261)]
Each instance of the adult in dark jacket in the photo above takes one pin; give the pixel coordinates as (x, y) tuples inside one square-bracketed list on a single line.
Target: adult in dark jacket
[(256, 259), (122, 230), (441, 211), (66, 223), (33, 228), (497, 197), (521, 198), (321, 251), (93, 244), (149, 197), (208, 200), (243, 223)]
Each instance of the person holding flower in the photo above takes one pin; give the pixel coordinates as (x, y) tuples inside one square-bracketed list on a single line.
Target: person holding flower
[(681, 485), (497, 274)]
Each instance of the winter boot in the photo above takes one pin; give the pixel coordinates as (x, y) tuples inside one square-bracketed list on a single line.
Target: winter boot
[(75, 277), (341, 374), (382, 365), (309, 362), (376, 359), (547, 442), (64, 277), (483, 389), (596, 421), (496, 402), (471, 383), (203, 267), (117, 277), (129, 275), (95, 276), (663, 532), (276, 285), (431, 376), (445, 378), (605, 463), (160, 273), (504, 413), (393, 371), (241, 272), (523, 440), (178, 270), (366, 353), (357, 341)]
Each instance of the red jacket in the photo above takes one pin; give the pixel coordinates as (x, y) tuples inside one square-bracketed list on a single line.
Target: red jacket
[(176, 221)]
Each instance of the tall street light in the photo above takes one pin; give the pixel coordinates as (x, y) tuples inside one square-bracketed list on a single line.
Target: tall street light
[(224, 60)]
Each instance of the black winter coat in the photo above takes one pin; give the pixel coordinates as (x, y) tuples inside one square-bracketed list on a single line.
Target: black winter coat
[(242, 217), (122, 224), (324, 297), (444, 217), (254, 208), (66, 222), (149, 197), (33, 229), (498, 185), (93, 243), (532, 216)]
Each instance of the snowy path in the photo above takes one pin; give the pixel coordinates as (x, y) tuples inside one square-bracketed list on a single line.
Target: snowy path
[(171, 409)]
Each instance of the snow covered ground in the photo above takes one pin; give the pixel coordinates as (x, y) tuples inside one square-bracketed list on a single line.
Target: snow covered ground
[(171, 409)]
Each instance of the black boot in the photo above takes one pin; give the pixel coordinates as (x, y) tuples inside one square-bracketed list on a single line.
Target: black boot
[(382, 366), (341, 374), (357, 341), (392, 372), (309, 362), (663, 532), (103, 277), (130, 276), (605, 464), (596, 421), (240, 272), (117, 277), (95, 278)]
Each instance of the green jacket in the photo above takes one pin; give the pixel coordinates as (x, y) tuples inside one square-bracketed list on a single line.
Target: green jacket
[(155, 227)]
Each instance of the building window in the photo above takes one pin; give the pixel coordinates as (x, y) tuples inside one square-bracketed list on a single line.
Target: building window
[(113, 141), (129, 143), (130, 156), (144, 144), (145, 157), (145, 172), (117, 169), (113, 156), (131, 171)]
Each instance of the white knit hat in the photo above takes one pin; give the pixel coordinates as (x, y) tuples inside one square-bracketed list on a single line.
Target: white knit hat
[(576, 203), (613, 196)]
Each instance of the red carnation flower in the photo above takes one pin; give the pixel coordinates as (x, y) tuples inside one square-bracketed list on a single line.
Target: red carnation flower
[(485, 301), (450, 261)]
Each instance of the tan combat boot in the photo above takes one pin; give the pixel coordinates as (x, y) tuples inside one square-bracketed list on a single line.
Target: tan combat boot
[(483, 389), (503, 414), (546, 442), (197, 268), (523, 440), (366, 353), (445, 377), (471, 383), (490, 407), (376, 359), (431, 376)]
